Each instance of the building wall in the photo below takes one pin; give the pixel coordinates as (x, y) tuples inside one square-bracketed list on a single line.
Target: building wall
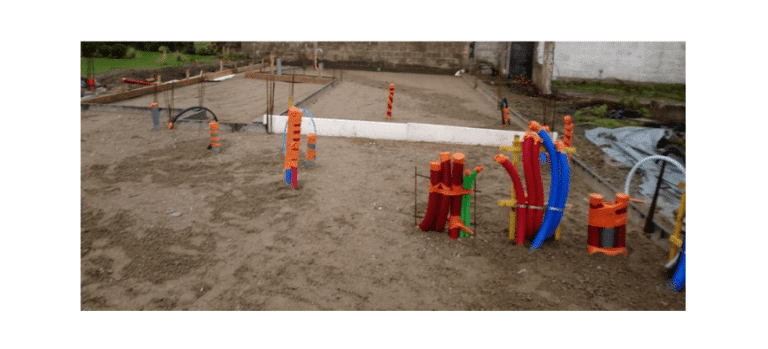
[(434, 56), (659, 62), (489, 54)]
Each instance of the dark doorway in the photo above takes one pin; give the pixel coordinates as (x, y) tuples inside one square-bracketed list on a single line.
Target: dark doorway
[(521, 59)]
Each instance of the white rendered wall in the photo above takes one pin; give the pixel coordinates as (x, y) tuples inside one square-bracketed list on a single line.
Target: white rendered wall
[(412, 132), (660, 62)]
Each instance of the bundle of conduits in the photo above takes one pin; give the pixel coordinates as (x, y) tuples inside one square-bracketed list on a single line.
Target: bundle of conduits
[(531, 221), (449, 191)]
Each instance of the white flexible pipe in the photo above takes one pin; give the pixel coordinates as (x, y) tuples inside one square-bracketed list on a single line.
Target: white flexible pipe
[(652, 157)]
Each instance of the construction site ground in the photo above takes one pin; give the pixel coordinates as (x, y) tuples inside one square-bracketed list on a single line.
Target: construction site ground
[(167, 224)]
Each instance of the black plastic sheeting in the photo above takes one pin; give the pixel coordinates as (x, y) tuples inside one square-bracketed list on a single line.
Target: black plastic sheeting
[(629, 145)]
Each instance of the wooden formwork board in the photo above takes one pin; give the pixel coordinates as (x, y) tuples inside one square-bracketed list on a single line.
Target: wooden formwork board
[(116, 97), (288, 78)]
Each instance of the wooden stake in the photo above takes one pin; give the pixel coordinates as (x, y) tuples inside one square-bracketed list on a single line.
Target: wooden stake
[(221, 65), (187, 74)]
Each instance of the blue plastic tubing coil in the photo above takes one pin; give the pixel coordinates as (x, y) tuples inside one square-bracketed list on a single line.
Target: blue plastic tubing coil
[(554, 191)]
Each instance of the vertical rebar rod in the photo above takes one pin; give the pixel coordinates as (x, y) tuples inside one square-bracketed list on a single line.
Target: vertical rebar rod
[(170, 107), (293, 78), (415, 220), (649, 225), (474, 209), (272, 109)]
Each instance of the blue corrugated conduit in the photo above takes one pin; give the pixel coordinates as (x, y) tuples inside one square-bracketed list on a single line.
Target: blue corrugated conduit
[(554, 191), (565, 179)]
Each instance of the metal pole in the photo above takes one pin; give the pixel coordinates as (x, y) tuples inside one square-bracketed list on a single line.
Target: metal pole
[(649, 225), (474, 209), (415, 220)]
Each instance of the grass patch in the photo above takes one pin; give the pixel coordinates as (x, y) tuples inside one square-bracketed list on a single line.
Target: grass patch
[(143, 61), (578, 116), (596, 117), (599, 112), (631, 103), (675, 92), (612, 123)]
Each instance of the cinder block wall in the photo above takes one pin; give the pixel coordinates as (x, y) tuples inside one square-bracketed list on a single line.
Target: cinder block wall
[(432, 57), (659, 62)]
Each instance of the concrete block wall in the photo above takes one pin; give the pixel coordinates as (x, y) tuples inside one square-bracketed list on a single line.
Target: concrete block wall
[(491, 53), (658, 62), (435, 56)]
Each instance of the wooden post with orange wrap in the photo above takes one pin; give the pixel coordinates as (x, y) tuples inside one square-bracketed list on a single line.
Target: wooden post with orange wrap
[(391, 98), (311, 149), (213, 126), (457, 183), (568, 135), (607, 225), (293, 136), (156, 116)]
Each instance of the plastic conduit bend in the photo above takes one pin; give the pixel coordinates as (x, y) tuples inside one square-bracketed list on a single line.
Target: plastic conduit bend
[(197, 108), (554, 189), (530, 185), (457, 181), (519, 195), (445, 200), (433, 202), (466, 199), (652, 157), (565, 179), (538, 187)]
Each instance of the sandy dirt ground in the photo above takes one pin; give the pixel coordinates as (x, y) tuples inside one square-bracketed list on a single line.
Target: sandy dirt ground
[(346, 240), (420, 98)]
